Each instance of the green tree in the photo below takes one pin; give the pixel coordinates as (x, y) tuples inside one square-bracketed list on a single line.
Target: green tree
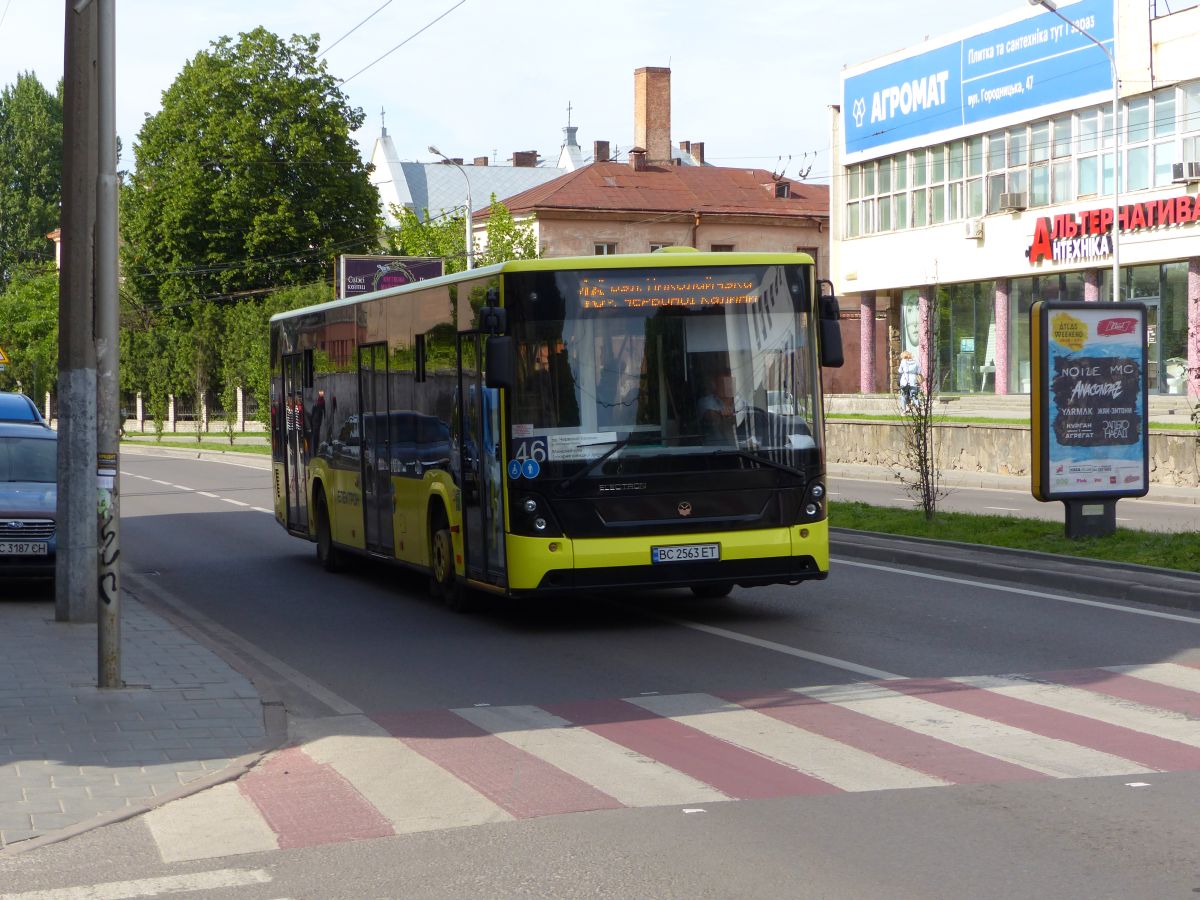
[(29, 333), (31, 123), (247, 178), (506, 238), (445, 237), (441, 237)]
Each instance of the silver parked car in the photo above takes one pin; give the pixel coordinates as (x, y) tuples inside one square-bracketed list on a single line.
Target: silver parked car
[(28, 499)]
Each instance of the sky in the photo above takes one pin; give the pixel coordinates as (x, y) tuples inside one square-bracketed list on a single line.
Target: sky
[(752, 79)]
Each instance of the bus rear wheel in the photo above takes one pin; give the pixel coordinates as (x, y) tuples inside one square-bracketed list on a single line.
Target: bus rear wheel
[(329, 556), (712, 591)]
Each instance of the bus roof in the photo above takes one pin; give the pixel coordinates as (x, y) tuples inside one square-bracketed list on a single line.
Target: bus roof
[(674, 258)]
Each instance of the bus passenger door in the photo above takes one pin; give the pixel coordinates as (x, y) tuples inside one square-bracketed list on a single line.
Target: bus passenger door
[(482, 478), (294, 460), (376, 456)]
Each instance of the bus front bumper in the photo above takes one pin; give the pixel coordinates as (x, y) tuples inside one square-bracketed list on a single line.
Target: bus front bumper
[(747, 558)]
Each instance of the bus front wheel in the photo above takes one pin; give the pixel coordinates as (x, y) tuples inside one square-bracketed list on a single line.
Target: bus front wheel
[(443, 583), (329, 556)]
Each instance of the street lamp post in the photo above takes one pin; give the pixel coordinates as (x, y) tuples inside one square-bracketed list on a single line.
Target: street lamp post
[(1052, 6), (470, 237)]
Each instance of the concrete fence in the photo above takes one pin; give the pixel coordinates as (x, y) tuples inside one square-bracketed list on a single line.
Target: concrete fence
[(993, 449)]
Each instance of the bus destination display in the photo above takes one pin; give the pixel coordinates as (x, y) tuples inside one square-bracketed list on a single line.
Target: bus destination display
[(656, 290)]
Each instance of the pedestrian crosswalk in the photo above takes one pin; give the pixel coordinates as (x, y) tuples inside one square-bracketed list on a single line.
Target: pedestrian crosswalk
[(358, 777)]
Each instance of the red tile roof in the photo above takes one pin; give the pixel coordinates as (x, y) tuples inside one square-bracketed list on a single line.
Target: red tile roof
[(617, 187)]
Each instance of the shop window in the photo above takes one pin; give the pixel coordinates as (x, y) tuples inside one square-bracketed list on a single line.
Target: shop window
[(900, 210), (1137, 120), (853, 182), (608, 249), (1164, 113), (920, 210), (1137, 168), (1018, 146), (1039, 142), (853, 220), (1060, 182), (975, 156), (1164, 159), (975, 197), (919, 172), (1039, 185), (884, 206), (1062, 136), (995, 153), (937, 204)]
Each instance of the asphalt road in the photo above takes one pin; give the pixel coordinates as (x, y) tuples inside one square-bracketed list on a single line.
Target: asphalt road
[(370, 642)]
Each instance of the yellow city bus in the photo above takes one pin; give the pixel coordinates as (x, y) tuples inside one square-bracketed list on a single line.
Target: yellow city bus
[(550, 425)]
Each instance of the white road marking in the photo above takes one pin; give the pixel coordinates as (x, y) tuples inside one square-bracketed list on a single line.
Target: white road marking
[(151, 887), (411, 792), (829, 760), (1004, 508), (1051, 756), (1163, 723), (234, 502), (269, 512), (218, 822), (209, 494), (878, 674), (182, 487), (1183, 677), (160, 481), (1173, 617), (627, 776)]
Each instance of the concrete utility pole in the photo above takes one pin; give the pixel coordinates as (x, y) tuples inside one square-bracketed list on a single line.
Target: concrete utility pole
[(76, 569), (108, 344)]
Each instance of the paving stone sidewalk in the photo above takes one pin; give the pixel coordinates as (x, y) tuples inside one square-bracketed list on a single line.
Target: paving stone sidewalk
[(73, 756)]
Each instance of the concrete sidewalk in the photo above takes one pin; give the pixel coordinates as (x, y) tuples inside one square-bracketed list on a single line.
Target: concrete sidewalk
[(73, 757)]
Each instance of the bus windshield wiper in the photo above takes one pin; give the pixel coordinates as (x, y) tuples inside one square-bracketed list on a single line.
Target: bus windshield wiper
[(598, 461), (766, 461)]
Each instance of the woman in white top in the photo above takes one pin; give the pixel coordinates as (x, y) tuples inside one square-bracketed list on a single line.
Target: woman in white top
[(910, 378)]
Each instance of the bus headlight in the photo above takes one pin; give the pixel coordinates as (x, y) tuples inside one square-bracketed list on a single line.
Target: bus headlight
[(818, 491), (811, 509), (532, 516), (812, 506)]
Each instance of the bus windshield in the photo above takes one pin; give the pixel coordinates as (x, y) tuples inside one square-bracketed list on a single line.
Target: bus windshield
[(660, 367)]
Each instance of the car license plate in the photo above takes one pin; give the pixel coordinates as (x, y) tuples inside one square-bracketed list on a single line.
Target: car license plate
[(685, 553), (24, 548)]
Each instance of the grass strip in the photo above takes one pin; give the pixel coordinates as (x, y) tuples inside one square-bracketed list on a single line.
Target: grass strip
[(259, 449), (1164, 550)]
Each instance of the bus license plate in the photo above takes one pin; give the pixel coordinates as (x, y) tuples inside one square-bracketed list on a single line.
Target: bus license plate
[(685, 553), (23, 548)]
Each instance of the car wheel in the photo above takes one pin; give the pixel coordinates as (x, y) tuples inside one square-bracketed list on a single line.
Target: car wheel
[(443, 582)]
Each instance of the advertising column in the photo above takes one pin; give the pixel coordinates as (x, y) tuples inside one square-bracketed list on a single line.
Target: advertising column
[(1089, 412)]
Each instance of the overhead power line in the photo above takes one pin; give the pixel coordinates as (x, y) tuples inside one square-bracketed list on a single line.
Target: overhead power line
[(405, 41), (352, 30)]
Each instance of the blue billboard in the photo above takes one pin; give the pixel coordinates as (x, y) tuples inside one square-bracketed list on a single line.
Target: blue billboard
[(1036, 62)]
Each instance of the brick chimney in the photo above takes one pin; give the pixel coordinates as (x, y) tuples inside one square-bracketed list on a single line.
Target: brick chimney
[(600, 151), (480, 161), (525, 159), (698, 152), (637, 159), (652, 113)]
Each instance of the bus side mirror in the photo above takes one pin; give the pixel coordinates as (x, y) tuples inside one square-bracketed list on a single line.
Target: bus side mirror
[(493, 319), (500, 363), (832, 355)]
